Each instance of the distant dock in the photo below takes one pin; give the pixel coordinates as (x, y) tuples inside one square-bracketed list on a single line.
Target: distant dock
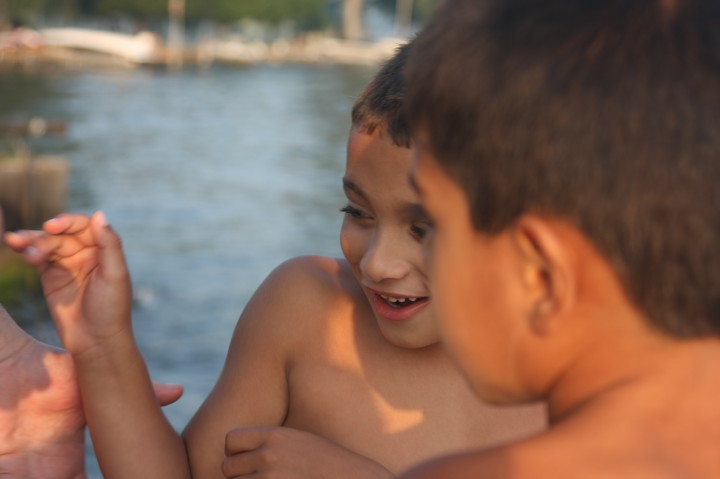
[(77, 47)]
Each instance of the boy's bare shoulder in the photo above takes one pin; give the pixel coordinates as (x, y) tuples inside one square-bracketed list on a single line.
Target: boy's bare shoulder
[(321, 277), (586, 449), (300, 292), (544, 455)]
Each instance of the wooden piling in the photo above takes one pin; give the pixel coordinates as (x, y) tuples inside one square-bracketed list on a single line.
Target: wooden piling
[(32, 190)]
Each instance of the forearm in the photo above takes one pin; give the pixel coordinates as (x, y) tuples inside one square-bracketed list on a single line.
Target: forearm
[(131, 436), (354, 466)]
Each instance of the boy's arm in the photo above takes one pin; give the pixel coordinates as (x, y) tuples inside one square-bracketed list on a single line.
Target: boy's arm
[(294, 454), (252, 391), (87, 287)]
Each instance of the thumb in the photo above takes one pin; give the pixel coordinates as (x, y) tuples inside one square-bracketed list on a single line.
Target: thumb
[(167, 393), (111, 257), (249, 438)]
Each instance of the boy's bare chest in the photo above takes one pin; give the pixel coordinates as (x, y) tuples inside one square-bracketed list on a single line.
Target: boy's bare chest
[(395, 406), (380, 406)]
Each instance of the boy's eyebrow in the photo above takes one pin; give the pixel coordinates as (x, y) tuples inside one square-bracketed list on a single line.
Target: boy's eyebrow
[(417, 211), (349, 185)]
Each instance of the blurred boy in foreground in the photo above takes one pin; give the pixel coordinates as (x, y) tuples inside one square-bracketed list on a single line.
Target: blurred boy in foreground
[(568, 155)]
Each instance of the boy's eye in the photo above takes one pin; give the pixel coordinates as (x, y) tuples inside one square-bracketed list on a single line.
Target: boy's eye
[(352, 211), (417, 232), (420, 231)]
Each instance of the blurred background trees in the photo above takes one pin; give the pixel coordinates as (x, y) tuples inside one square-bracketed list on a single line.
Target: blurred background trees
[(346, 15)]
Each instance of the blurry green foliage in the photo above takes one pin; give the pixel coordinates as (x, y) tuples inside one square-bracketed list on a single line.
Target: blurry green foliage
[(135, 8), (307, 13), (16, 278), (24, 11), (422, 9), (310, 13)]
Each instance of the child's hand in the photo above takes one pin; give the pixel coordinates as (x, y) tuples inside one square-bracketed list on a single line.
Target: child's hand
[(84, 277), (287, 453)]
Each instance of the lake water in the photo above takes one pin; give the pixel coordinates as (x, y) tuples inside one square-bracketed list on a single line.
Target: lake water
[(212, 177)]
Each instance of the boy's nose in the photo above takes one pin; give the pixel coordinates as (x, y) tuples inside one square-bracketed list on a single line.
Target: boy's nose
[(383, 260)]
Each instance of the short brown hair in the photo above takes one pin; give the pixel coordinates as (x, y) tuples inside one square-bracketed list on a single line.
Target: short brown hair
[(380, 105), (604, 113)]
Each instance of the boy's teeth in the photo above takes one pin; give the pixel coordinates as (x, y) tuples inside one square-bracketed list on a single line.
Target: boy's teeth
[(391, 299)]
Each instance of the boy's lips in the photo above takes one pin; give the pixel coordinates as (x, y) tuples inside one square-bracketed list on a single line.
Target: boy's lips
[(397, 308)]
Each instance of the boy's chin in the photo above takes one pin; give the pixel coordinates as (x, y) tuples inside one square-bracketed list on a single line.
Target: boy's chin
[(406, 339)]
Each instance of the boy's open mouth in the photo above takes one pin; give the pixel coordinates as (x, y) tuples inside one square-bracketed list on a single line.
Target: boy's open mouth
[(401, 302)]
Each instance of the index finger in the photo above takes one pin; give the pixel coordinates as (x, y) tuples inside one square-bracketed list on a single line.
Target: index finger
[(19, 240), (67, 223)]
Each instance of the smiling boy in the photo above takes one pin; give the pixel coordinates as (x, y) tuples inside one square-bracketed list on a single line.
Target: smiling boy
[(334, 369), (567, 153)]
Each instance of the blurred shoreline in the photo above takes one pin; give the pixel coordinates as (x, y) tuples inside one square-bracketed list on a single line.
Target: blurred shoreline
[(80, 48)]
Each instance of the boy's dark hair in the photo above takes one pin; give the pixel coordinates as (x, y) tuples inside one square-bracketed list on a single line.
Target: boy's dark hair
[(380, 105), (605, 113)]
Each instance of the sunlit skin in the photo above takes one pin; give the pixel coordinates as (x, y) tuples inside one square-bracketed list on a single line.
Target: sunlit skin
[(324, 370), (358, 370), (42, 428), (471, 302), (381, 239)]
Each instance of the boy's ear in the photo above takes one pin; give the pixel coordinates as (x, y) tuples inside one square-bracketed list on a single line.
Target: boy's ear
[(547, 271)]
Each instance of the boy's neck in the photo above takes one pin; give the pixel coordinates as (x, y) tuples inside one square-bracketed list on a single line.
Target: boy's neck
[(627, 374)]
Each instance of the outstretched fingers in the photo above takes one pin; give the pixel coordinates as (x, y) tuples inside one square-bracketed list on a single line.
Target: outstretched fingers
[(18, 241), (67, 223), (38, 247), (61, 237)]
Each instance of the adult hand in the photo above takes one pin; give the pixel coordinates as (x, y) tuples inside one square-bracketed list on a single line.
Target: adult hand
[(286, 453), (42, 427)]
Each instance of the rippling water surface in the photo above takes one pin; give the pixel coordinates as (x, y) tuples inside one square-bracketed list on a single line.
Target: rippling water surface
[(212, 177)]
